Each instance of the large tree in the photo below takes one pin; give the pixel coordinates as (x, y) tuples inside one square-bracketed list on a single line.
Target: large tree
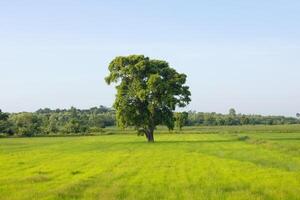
[(148, 91)]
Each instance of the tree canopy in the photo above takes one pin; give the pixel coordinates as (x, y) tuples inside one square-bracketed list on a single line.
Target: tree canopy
[(148, 91)]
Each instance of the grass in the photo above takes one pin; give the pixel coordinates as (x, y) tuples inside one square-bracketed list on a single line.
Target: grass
[(221, 163)]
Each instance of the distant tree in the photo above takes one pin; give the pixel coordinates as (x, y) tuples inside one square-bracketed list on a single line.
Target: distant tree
[(210, 119), (44, 111), (298, 115), (245, 120), (73, 113), (52, 126), (232, 112), (181, 119), (220, 120), (148, 92), (5, 125), (27, 124), (72, 126), (3, 116)]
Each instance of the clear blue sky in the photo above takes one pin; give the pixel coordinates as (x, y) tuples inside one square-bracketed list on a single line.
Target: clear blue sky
[(241, 54)]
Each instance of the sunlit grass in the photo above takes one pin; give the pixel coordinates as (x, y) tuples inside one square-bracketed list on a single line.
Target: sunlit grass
[(177, 166)]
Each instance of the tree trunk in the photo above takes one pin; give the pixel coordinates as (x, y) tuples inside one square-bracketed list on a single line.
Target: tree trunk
[(149, 135)]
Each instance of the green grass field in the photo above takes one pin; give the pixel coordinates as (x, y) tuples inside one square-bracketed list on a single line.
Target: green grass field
[(220, 163)]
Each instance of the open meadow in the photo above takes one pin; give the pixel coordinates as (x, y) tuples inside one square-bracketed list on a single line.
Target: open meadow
[(243, 162)]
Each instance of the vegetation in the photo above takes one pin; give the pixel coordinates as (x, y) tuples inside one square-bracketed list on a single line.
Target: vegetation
[(97, 120), (148, 92), (57, 122), (5, 126), (231, 119), (181, 119), (249, 162)]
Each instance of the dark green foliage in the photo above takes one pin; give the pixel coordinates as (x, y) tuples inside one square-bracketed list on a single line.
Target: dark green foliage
[(232, 112), (148, 91), (5, 125), (3, 116)]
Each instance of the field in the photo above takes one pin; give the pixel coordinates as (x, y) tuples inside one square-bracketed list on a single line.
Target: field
[(259, 162)]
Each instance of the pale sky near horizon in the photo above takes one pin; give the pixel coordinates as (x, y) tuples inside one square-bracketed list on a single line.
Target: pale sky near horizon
[(240, 54)]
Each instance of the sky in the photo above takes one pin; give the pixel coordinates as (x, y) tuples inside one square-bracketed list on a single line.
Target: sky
[(236, 53)]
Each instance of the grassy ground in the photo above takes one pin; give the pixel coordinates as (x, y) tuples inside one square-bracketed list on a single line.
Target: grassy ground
[(241, 164)]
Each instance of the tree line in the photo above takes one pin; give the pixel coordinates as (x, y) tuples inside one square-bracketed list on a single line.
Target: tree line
[(59, 121), (81, 121), (232, 118)]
